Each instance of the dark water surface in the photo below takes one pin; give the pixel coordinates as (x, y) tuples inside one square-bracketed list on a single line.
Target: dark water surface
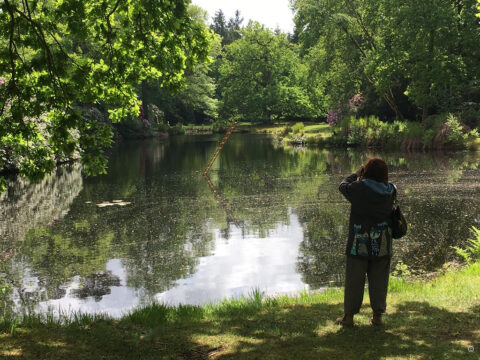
[(269, 218)]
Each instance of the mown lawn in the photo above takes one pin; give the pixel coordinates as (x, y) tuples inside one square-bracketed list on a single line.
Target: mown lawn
[(317, 128), (435, 319)]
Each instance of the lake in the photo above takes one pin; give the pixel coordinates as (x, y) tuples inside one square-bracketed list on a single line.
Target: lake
[(267, 217)]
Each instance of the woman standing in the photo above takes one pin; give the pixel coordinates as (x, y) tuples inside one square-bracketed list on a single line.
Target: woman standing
[(369, 246)]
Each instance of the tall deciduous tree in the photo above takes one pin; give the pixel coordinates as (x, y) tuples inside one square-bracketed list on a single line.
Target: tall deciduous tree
[(431, 45), (261, 77), (410, 54), (195, 101), (339, 38), (58, 54), (199, 92)]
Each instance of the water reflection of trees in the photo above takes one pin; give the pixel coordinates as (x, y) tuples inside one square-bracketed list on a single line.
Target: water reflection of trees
[(261, 183), (26, 205), (321, 251), (96, 285), (438, 217), (160, 236), (22, 207), (440, 208)]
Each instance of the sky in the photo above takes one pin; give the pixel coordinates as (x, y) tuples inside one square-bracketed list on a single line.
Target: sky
[(271, 13)]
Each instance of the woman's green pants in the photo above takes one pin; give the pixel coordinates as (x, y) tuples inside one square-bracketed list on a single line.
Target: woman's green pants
[(377, 271)]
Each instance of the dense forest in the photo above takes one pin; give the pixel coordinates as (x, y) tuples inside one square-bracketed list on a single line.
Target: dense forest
[(73, 73), (352, 57)]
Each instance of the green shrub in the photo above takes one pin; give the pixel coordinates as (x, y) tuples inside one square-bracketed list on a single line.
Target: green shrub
[(472, 252), (436, 131), (361, 131), (355, 135), (474, 133), (160, 127), (455, 135), (298, 128), (473, 143), (427, 138), (398, 129), (392, 134), (434, 122), (313, 140), (134, 128), (285, 130), (372, 136), (401, 270), (414, 131), (176, 130)]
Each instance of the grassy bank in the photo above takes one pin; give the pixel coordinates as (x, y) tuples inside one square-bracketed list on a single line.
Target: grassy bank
[(437, 132), (277, 129), (242, 127), (435, 319)]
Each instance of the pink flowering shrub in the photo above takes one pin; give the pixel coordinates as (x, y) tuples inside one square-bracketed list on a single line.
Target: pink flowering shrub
[(355, 102), (332, 118), (143, 119)]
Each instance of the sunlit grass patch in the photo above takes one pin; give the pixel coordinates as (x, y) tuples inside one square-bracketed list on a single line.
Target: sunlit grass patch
[(474, 144), (435, 318), (317, 128), (267, 129)]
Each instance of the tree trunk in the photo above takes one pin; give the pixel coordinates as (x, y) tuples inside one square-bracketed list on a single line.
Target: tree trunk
[(390, 99)]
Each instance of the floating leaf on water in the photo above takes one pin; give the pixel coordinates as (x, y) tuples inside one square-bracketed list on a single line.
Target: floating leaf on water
[(113, 203), (104, 204), (123, 203)]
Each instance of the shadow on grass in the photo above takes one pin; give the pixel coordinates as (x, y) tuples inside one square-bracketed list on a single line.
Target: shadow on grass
[(413, 330)]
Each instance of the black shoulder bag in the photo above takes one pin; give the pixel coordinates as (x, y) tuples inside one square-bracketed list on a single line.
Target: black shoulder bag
[(399, 224)]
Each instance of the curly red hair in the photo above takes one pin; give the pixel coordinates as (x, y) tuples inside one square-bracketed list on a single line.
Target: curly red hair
[(376, 169)]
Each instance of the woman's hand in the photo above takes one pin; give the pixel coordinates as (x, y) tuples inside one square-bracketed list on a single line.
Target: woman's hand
[(359, 172)]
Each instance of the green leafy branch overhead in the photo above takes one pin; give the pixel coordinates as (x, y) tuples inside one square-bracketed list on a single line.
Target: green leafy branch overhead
[(56, 56)]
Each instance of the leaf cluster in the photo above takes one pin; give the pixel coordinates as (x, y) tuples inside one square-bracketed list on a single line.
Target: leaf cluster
[(58, 55), (261, 78), (409, 58)]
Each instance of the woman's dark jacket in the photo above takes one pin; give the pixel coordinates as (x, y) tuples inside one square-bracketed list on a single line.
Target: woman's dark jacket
[(370, 227)]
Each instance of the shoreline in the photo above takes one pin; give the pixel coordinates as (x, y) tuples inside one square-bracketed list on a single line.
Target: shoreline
[(435, 318)]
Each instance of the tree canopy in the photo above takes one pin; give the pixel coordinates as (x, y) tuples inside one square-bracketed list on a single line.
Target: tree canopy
[(260, 78), (69, 69), (413, 55), (195, 100), (57, 55)]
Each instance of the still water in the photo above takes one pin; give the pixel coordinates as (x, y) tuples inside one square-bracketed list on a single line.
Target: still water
[(268, 218)]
